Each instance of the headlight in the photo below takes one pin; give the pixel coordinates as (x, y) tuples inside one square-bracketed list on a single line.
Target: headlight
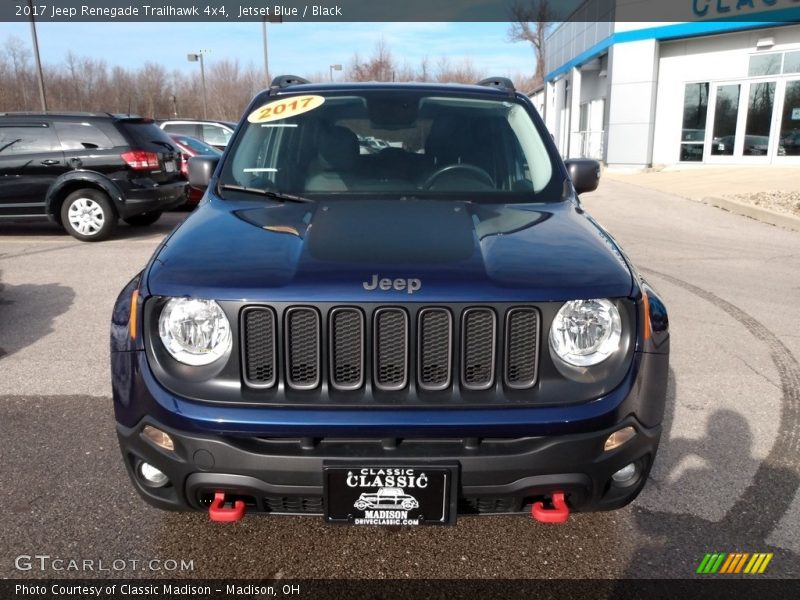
[(194, 332), (586, 332)]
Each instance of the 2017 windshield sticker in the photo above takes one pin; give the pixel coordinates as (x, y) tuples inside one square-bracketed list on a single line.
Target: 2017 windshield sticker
[(285, 108)]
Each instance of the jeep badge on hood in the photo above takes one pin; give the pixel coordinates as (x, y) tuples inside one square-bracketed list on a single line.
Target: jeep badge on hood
[(400, 284)]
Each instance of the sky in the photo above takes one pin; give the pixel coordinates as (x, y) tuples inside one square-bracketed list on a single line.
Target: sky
[(296, 48)]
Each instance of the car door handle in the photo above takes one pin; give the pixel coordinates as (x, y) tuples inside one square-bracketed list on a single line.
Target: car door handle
[(50, 162)]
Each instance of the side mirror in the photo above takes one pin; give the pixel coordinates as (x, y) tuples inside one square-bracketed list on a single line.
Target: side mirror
[(201, 168), (584, 172)]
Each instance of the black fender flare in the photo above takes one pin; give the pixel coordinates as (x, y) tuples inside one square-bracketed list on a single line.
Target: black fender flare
[(71, 179)]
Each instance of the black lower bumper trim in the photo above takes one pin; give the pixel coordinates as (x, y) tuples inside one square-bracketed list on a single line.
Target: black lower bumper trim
[(495, 476)]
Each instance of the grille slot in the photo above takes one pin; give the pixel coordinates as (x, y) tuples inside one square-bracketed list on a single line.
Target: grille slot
[(522, 339), (258, 326), (302, 348), (435, 348), (479, 338), (347, 348), (294, 504), (478, 505), (391, 349)]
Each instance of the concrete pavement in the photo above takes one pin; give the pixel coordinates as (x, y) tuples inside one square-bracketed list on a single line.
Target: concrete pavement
[(698, 182), (726, 478)]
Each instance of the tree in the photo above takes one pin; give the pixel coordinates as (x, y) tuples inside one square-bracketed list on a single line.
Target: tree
[(380, 67), (530, 24)]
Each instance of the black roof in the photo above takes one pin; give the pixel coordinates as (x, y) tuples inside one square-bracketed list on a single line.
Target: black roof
[(490, 85)]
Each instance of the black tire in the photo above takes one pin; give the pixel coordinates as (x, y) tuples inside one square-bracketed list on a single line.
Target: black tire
[(144, 219), (88, 215)]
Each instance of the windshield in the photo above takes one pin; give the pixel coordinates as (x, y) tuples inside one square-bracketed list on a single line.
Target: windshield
[(196, 145), (404, 143)]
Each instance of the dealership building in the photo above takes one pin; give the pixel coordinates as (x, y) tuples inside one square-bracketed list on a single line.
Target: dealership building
[(645, 94)]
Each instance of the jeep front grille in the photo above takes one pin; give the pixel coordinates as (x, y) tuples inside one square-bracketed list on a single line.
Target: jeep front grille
[(522, 337), (435, 348), (347, 348), (479, 345), (302, 348), (391, 349), (258, 326)]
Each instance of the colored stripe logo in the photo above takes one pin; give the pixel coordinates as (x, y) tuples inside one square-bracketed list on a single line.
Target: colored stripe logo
[(725, 563)]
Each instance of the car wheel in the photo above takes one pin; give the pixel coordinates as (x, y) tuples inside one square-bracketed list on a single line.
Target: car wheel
[(143, 219), (88, 215), (361, 505), (408, 505)]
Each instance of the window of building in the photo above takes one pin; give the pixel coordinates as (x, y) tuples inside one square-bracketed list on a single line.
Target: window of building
[(765, 64), (790, 120), (759, 118), (726, 113), (791, 62), (693, 134)]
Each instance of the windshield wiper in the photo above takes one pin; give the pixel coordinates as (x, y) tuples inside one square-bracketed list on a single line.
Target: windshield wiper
[(265, 193), (167, 145), (11, 143)]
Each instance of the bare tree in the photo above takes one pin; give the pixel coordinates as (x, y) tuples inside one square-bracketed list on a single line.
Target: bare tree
[(18, 56), (530, 23), (380, 67), (462, 72)]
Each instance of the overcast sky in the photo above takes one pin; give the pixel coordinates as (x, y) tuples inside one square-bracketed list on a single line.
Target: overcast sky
[(297, 48)]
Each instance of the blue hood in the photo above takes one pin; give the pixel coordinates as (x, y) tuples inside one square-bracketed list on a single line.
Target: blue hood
[(326, 251)]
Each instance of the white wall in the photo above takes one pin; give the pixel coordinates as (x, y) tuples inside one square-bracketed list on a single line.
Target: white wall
[(634, 75), (712, 58)]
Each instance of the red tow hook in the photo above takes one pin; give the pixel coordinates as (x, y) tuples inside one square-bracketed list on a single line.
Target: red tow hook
[(218, 513), (558, 514)]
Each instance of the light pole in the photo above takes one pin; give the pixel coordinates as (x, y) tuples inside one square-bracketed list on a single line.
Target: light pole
[(194, 58), (333, 68), (264, 39), (42, 95), (266, 58)]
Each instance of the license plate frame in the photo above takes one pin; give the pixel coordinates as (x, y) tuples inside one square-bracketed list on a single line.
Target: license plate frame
[(408, 505)]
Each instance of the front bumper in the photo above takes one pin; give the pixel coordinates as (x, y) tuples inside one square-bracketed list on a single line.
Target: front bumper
[(285, 475)]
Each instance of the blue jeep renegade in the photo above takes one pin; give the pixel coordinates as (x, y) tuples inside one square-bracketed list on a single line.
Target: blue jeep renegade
[(390, 308)]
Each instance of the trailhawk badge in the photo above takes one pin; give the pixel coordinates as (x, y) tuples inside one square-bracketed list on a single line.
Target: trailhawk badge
[(388, 495)]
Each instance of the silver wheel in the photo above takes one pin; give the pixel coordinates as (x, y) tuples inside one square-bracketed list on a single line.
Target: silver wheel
[(86, 216)]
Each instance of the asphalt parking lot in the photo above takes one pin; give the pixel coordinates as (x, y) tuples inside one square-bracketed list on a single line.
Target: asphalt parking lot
[(726, 478)]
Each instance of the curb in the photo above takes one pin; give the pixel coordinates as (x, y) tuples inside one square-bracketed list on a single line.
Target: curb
[(754, 212)]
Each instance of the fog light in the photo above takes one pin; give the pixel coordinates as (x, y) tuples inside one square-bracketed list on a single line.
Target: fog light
[(626, 474), (158, 437), (616, 439), (152, 475)]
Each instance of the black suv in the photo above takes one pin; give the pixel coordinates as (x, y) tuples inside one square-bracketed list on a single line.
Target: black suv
[(84, 171)]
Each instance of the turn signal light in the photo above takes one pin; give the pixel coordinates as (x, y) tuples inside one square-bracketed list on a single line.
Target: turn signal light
[(646, 305), (616, 439), (132, 318), (158, 438)]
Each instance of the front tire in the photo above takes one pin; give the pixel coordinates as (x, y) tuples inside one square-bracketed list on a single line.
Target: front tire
[(144, 219), (88, 215)]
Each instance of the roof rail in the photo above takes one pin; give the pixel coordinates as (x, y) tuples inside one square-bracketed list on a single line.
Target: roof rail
[(53, 113), (282, 81), (503, 83)]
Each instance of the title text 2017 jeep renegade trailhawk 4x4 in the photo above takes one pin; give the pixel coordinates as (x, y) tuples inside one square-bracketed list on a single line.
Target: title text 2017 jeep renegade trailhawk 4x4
[(433, 315)]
